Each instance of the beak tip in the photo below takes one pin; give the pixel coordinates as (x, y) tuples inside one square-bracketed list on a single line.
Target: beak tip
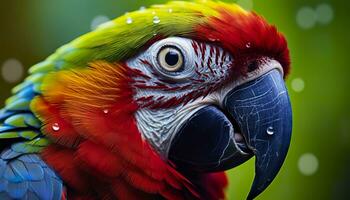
[(251, 196), (255, 191)]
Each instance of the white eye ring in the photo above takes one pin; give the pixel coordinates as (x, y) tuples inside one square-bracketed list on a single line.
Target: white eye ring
[(171, 59)]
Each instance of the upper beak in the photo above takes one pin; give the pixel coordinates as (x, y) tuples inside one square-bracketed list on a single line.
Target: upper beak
[(263, 111), (260, 112)]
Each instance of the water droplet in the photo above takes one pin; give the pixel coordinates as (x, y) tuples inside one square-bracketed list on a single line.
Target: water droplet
[(156, 19), (142, 8), (170, 10), (154, 34), (55, 127), (129, 20), (269, 130), (153, 12), (248, 45), (105, 111)]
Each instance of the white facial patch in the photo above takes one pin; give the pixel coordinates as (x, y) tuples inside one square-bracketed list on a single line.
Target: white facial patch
[(168, 98)]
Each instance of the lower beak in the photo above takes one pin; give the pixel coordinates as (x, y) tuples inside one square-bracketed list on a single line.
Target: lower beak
[(257, 121)]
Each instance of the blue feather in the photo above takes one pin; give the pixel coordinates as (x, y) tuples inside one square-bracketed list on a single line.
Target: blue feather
[(57, 188), (2, 167), (31, 158), (3, 184), (11, 176), (27, 92), (36, 171), (19, 169), (31, 196), (17, 190), (5, 196), (4, 114), (42, 189), (6, 128), (28, 177), (9, 154)]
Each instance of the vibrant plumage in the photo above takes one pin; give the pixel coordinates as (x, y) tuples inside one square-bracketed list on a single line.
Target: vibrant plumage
[(75, 113)]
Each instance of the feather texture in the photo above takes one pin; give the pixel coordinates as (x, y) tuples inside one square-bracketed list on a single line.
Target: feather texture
[(28, 177), (109, 147)]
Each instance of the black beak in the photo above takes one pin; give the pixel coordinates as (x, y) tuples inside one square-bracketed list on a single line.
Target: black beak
[(256, 119)]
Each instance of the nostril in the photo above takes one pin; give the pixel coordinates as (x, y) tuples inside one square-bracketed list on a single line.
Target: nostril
[(252, 65)]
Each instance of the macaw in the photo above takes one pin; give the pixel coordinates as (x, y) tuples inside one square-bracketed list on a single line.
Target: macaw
[(155, 104)]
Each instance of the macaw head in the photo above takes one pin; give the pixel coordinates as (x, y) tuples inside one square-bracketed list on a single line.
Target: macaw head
[(202, 81)]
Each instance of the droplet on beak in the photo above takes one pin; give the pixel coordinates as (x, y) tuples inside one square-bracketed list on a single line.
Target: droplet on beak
[(270, 130)]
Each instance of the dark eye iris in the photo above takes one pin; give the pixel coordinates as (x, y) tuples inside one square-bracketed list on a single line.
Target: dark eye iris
[(172, 58)]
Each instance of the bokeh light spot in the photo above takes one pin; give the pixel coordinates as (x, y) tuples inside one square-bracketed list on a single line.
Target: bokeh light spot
[(246, 4), (324, 13), (298, 84), (306, 17), (12, 70), (98, 20), (308, 164)]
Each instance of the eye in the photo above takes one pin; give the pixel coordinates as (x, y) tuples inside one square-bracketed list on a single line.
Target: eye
[(171, 59)]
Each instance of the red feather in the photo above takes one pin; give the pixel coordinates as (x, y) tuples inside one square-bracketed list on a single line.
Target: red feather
[(111, 160), (245, 35)]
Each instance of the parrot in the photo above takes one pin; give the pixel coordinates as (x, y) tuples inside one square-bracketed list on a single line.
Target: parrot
[(156, 104)]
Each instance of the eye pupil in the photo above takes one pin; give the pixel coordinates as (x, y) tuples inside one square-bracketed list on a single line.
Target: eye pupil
[(172, 58)]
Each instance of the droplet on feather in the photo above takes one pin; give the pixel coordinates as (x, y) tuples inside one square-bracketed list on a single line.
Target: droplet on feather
[(55, 127), (129, 20), (105, 111), (156, 20), (248, 45)]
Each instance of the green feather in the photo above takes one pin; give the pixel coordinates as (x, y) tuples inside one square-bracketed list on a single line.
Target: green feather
[(26, 148), (28, 134), (7, 135), (19, 104)]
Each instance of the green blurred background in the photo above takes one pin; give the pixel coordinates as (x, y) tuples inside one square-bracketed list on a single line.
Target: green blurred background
[(318, 164)]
